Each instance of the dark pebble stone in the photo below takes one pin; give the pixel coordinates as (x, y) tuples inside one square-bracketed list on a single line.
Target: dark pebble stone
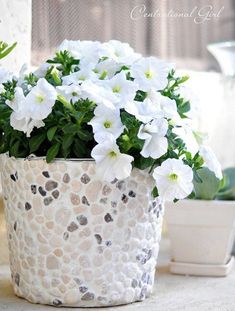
[(66, 178), (34, 189), (124, 198), (98, 238), (57, 302), (50, 185), (85, 179), (82, 220), (72, 227), (114, 181), (108, 218), (13, 177), (144, 277), (108, 243), (120, 185), (42, 191), (47, 201), (17, 279), (55, 194), (113, 204), (46, 174), (104, 200), (132, 194), (28, 206), (15, 225), (134, 283), (83, 289), (88, 296), (85, 201), (66, 236)]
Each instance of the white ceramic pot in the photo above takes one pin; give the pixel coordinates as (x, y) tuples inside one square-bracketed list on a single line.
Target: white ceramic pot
[(76, 240), (201, 232)]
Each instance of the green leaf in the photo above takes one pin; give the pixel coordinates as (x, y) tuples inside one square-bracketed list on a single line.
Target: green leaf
[(51, 132), (227, 191), (70, 128), (5, 49), (52, 152), (209, 185), (36, 141), (67, 141), (143, 163)]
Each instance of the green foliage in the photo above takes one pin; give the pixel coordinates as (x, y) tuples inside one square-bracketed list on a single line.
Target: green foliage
[(208, 186), (6, 49), (227, 191)]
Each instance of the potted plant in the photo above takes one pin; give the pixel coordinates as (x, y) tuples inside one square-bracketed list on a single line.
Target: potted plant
[(201, 229), (90, 154)]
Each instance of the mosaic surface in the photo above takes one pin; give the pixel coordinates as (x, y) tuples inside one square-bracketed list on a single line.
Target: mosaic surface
[(78, 241)]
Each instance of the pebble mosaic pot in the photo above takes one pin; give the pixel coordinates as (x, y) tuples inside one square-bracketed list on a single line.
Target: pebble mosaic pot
[(75, 240)]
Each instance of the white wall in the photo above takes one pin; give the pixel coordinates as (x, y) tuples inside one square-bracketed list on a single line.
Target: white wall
[(15, 25)]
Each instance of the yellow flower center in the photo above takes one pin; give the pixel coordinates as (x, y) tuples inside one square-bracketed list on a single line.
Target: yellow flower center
[(116, 89), (148, 74), (112, 154), (173, 176), (39, 98), (74, 94), (107, 124)]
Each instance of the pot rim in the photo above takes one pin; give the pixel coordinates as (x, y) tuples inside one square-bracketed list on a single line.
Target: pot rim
[(36, 158), (207, 202)]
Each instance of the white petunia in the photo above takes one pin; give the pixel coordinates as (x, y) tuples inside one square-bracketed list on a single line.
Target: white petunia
[(98, 94), (150, 72), (41, 99), (106, 69), (111, 163), (4, 77), (153, 133), (88, 51), (174, 179), (123, 89), (143, 111), (42, 70), (106, 121), (166, 106), (19, 119), (79, 76), (120, 52), (210, 160), (70, 92)]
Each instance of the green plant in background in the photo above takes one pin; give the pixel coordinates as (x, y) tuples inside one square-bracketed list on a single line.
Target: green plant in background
[(211, 188), (6, 49)]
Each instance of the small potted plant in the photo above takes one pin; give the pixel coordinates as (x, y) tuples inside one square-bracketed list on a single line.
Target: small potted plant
[(201, 228), (90, 154)]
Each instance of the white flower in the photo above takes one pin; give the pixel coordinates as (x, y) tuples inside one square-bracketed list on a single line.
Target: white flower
[(79, 76), (122, 88), (19, 118), (4, 75), (70, 92), (106, 121), (120, 52), (42, 70), (153, 133), (211, 161), (111, 163), (144, 111), (41, 99), (106, 68), (88, 51), (174, 179), (150, 72), (166, 106), (98, 94)]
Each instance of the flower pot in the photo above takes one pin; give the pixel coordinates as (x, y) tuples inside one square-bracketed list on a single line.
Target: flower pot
[(201, 235), (76, 240)]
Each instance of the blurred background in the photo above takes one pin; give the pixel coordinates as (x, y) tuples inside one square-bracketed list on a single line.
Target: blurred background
[(178, 31)]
